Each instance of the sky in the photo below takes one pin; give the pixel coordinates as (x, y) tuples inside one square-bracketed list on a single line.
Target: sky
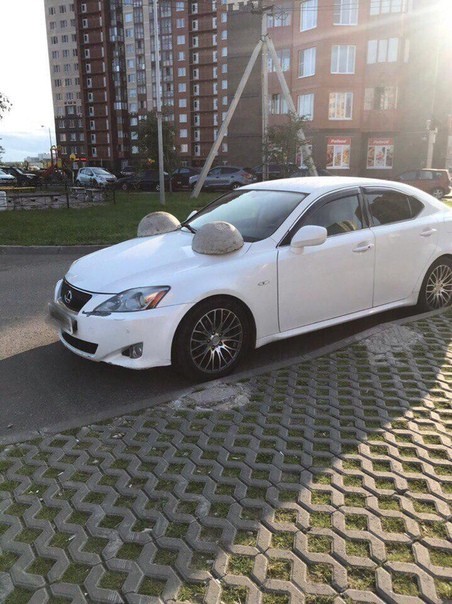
[(25, 80)]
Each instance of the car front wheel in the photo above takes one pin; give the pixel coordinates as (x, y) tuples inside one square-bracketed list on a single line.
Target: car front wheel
[(212, 339), (438, 193), (436, 290)]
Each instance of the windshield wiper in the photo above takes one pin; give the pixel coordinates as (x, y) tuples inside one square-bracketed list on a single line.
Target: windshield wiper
[(187, 226)]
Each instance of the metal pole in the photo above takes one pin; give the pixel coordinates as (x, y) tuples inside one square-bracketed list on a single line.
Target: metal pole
[(264, 84), (224, 126), (159, 104), (286, 92)]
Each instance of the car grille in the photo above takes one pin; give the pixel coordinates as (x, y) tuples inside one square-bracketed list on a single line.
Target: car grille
[(73, 298), (82, 345)]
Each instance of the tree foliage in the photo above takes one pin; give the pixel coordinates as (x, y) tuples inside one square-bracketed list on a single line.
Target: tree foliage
[(148, 142), (283, 141), (5, 104)]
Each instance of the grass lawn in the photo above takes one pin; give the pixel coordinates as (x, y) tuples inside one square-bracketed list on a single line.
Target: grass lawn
[(109, 223)]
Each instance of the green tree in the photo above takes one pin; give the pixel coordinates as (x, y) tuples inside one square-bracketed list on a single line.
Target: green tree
[(148, 142), (284, 141), (5, 104)]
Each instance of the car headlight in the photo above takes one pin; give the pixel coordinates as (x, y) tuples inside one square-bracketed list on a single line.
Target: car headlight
[(132, 300)]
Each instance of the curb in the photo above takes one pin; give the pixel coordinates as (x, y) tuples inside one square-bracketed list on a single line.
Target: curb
[(237, 377), (49, 249)]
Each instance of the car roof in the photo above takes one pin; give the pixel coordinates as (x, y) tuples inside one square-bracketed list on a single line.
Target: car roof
[(313, 184)]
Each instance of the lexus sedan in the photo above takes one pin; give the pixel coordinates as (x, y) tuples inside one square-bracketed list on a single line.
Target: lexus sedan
[(314, 252)]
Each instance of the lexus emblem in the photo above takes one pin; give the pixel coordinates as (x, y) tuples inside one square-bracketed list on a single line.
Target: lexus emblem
[(68, 296)]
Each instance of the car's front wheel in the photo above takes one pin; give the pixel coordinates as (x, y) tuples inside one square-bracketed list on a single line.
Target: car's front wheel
[(212, 339), (436, 290), (438, 192), (125, 186)]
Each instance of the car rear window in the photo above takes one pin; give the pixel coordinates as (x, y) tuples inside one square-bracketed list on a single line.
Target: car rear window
[(388, 206)]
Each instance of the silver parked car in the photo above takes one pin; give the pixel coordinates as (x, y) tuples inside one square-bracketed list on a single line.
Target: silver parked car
[(224, 177), (94, 177), (7, 179)]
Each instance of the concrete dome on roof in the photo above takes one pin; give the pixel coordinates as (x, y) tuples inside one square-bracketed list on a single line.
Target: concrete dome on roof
[(217, 238), (157, 223)]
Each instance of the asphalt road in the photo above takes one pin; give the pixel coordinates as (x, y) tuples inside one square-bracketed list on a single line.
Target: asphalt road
[(42, 384)]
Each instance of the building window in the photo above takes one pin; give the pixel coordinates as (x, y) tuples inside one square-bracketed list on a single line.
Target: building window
[(382, 98), (181, 72), (182, 103), (183, 118), (284, 60), (280, 17), (180, 23), (181, 40), (383, 51), (345, 12), (278, 104), (343, 59), (380, 153), (309, 9), (338, 153), (306, 106), (183, 133), (380, 7), (184, 148), (306, 62), (182, 87), (340, 106)]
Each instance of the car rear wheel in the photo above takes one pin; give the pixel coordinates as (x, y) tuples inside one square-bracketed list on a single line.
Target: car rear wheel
[(125, 186), (438, 193), (212, 339), (235, 185), (436, 290)]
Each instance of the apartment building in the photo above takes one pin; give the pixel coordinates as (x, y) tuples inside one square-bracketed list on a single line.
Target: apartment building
[(103, 64), (368, 75)]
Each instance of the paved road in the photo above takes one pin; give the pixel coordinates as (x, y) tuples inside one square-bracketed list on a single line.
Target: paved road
[(42, 384)]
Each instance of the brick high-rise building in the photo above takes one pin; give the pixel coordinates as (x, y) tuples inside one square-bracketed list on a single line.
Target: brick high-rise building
[(371, 76), (102, 61)]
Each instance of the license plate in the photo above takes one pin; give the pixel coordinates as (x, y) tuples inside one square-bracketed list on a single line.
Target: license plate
[(61, 318)]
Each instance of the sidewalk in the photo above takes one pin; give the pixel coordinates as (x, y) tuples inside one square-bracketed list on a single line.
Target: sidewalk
[(324, 481)]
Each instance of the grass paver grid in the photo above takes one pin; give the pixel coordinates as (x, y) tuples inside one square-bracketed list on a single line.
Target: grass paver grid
[(341, 481)]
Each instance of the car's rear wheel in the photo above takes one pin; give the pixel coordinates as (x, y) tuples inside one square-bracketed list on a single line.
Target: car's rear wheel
[(235, 185), (436, 290), (125, 186), (438, 192), (212, 339)]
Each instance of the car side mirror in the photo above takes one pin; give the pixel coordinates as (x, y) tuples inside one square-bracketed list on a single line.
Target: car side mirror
[(309, 235)]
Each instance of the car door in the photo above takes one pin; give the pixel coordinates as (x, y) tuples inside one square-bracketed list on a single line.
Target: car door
[(213, 178), (404, 242), (333, 279)]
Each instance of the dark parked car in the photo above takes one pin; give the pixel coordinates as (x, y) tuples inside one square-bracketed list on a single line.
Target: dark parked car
[(274, 171), (225, 177), (23, 178), (180, 178), (145, 181), (435, 182)]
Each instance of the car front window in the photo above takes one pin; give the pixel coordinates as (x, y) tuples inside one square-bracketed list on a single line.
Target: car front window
[(255, 214), (101, 172)]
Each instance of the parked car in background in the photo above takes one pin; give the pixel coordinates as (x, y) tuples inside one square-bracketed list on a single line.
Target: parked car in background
[(274, 171), (225, 177), (180, 178), (304, 172), (94, 177), (316, 252), (24, 179), (149, 180), (436, 182), (7, 179)]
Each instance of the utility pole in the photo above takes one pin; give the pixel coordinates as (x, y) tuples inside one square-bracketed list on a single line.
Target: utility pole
[(159, 103), (264, 45)]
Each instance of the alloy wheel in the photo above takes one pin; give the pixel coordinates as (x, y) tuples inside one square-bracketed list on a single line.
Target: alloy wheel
[(438, 292), (216, 340)]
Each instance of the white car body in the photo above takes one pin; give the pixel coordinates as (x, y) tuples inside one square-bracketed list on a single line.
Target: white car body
[(288, 291)]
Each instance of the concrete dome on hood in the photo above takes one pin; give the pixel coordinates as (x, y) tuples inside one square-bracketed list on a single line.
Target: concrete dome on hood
[(217, 238), (157, 223)]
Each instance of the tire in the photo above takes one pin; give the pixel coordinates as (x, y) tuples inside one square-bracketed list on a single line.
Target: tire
[(124, 186), (78, 183), (235, 185), (436, 290), (438, 192), (157, 187), (212, 339)]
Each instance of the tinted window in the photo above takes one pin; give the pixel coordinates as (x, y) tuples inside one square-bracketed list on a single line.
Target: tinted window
[(416, 206), (338, 216), (388, 206), (215, 172), (228, 170), (426, 175), (256, 214), (408, 176)]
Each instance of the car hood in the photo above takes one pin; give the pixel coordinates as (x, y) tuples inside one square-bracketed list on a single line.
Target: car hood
[(143, 261)]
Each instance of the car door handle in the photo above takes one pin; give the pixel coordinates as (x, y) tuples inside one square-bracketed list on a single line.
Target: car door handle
[(428, 232), (363, 248)]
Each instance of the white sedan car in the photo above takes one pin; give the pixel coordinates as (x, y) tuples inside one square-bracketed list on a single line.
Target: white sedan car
[(316, 252)]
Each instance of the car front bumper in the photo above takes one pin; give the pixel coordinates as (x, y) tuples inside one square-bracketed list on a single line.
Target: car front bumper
[(109, 338)]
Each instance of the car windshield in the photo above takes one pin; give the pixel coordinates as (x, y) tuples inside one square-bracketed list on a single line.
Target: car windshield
[(256, 213), (100, 171)]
